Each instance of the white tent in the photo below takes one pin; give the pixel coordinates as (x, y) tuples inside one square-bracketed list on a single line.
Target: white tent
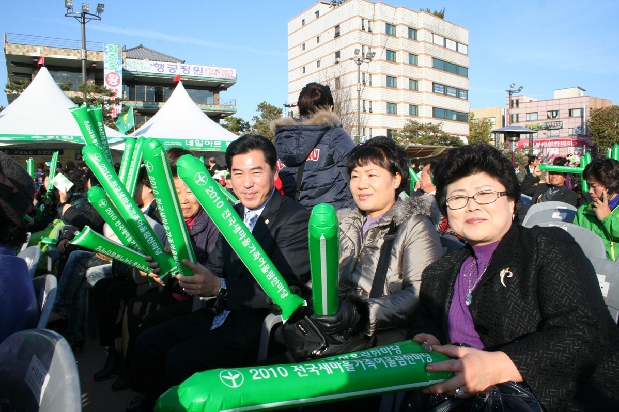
[(40, 115), (180, 122)]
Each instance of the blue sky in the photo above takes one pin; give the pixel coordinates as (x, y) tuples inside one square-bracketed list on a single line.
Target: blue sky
[(540, 44)]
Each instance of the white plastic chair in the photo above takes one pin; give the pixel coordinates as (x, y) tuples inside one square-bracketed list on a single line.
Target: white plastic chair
[(591, 243), (45, 288), (549, 215), (536, 207), (31, 255), (265, 335), (608, 276), (39, 373)]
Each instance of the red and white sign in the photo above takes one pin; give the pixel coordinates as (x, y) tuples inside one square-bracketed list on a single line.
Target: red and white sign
[(112, 72), (548, 143)]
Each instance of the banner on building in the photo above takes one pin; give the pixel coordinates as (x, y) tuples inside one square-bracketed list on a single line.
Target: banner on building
[(112, 72), (174, 69), (550, 143)]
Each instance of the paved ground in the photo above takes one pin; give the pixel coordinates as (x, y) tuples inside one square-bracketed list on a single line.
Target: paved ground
[(98, 396)]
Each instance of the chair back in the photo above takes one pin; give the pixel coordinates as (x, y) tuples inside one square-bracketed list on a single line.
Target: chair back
[(39, 373), (31, 255), (25, 245), (450, 244), (549, 215), (536, 207), (591, 244), (526, 200), (608, 276), (45, 287)]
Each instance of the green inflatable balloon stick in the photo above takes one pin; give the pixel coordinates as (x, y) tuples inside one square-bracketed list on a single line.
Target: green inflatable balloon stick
[(164, 190), (98, 199), (52, 172), (96, 118), (134, 168), (355, 375), (584, 161), (30, 167), (323, 234), (89, 130), (125, 162), (129, 211), (92, 240), (194, 174)]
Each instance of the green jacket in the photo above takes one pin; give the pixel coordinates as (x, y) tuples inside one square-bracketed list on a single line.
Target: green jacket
[(607, 228)]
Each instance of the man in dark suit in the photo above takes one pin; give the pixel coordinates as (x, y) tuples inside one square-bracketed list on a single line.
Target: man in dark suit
[(228, 334), (555, 189)]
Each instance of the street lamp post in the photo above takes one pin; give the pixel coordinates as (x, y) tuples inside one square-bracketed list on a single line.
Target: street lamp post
[(360, 60), (83, 16), (511, 91)]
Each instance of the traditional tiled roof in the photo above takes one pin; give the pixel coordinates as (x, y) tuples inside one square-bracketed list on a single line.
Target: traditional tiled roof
[(144, 53)]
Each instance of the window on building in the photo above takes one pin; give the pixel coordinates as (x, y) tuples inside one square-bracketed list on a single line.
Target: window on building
[(552, 114), (369, 133), (363, 106), (392, 108), (412, 33), (515, 103), (413, 59), (492, 120), (575, 112), (317, 39), (532, 116), (369, 79), (303, 69), (370, 26), (303, 22), (450, 67), (391, 133), (303, 46), (413, 84), (389, 29), (392, 81), (413, 110), (362, 24), (555, 133), (337, 30), (439, 113), (514, 118), (337, 83), (450, 91), (317, 13), (317, 63), (198, 96), (391, 55), (338, 55), (370, 107)]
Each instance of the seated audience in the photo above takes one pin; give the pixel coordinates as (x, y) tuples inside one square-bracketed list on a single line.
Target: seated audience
[(554, 190), (601, 214), (515, 304), (228, 334)]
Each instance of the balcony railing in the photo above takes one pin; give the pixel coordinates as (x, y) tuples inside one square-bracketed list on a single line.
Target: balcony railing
[(51, 42)]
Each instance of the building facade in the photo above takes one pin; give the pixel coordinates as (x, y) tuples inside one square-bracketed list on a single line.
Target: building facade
[(147, 75), (419, 69), (496, 115), (561, 123)]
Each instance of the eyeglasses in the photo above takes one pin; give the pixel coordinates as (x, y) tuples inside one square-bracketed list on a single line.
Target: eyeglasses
[(482, 198)]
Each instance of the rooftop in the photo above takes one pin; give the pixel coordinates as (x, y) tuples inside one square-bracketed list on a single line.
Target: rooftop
[(144, 53)]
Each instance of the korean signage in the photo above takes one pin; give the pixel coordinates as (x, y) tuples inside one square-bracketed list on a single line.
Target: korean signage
[(557, 124), (112, 72), (549, 143), (173, 69)]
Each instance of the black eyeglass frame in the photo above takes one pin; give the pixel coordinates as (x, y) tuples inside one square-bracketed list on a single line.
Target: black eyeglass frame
[(468, 199)]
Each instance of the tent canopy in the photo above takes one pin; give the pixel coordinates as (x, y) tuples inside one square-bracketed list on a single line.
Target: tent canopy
[(180, 122), (41, 115)]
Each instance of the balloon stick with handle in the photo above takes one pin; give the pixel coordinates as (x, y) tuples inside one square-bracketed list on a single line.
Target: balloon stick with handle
[(323, 235), (125, 162)]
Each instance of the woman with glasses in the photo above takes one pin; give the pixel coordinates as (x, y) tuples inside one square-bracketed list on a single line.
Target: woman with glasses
[(515, 304)]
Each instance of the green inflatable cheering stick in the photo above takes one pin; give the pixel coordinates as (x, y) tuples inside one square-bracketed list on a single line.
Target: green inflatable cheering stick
[(323, 251), (125, 162), (164, 190), (584, 161), (194, 174)]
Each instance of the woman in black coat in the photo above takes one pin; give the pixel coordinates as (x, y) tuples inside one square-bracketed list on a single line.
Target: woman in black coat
[(524, 304)]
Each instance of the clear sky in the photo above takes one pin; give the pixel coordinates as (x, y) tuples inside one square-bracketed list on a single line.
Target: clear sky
[(541, 45)]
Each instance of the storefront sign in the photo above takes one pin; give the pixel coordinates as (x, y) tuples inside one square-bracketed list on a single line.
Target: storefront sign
[(173, 69), (548, 143)]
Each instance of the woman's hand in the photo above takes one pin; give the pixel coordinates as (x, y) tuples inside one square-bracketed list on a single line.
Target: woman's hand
[(427, 339), (600, 206), (474, 370), (62, 196)]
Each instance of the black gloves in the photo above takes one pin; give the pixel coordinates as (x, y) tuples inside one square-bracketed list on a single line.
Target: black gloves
[(341, 322)]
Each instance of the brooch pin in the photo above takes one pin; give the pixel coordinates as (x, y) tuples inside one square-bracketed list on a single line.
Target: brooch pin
[(505, 272)]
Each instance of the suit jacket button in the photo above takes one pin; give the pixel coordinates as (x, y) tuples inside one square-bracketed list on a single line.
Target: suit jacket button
[(481, 329)]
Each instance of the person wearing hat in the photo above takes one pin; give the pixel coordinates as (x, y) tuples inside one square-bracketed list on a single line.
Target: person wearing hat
[(18, 304), (555, 188)]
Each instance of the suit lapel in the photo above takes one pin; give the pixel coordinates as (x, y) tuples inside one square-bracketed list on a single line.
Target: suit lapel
[(267, 217)]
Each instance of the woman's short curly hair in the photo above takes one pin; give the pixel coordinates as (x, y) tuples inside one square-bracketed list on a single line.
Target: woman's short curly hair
[(383, 152), (469, 160), (606, 172)]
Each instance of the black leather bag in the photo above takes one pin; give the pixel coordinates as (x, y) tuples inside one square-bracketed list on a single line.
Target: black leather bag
[(503, 397), (305, 340)]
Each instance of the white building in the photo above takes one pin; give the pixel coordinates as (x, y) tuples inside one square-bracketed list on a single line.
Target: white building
[(419, 70)]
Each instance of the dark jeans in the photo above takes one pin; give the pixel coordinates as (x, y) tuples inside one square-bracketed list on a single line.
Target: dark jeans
[(169, 353), (110, 296)]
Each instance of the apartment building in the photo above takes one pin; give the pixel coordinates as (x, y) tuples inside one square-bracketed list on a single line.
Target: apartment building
[(561, 122), (419, 66)]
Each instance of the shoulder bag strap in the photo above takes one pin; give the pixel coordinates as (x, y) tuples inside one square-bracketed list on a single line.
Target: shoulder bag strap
[(378, 284), (300, 169)]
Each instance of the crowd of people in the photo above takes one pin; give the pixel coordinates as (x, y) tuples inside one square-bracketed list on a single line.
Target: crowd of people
[(516, 309)]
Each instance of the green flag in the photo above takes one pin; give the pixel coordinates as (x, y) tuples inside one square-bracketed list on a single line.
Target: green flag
[(125, 121)]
